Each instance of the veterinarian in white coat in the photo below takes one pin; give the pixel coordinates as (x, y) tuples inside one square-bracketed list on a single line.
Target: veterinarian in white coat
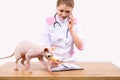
[(62, 31)]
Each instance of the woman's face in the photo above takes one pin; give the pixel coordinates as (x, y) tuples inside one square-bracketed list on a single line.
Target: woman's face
[(64, 11)]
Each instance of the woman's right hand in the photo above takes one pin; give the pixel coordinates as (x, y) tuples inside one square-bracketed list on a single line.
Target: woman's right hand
[(54, 64)]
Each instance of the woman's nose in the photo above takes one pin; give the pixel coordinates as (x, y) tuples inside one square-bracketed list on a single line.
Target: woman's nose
[(64, 14)]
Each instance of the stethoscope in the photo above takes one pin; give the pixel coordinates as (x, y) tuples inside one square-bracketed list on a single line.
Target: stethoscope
[(57, 23)]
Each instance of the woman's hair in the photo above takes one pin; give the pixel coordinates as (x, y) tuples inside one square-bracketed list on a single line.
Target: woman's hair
[(69, 3)]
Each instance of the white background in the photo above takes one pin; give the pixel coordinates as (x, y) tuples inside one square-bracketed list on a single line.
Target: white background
[(100, 20)]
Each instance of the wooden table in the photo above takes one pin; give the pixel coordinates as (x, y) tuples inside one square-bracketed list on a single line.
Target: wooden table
[(92, 71)]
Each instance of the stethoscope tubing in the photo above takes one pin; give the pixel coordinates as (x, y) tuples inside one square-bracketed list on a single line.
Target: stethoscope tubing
[(56, 22)]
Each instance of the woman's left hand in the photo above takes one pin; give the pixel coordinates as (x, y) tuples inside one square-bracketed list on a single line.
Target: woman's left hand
[(71, 22)]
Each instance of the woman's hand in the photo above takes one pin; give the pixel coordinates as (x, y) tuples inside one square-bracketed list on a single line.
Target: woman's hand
[(71, 22), (54, 64)]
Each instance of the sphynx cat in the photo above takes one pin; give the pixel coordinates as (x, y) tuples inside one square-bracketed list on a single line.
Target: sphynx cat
[(27, 50)]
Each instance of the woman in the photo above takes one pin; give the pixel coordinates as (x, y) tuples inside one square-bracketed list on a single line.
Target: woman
[(61, 31)]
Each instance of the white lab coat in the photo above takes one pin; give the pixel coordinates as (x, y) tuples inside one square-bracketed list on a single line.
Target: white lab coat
[(57, 36)]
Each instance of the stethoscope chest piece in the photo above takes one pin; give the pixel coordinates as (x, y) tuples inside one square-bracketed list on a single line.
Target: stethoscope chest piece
[(66, 41)]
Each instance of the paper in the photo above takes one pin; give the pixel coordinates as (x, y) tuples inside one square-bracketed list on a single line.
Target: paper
[(66, 67)]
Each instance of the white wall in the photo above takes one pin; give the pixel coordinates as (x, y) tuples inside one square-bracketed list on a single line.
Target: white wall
[(100, 20)]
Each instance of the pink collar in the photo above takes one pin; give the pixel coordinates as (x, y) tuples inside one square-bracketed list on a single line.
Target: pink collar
[(51, 20)]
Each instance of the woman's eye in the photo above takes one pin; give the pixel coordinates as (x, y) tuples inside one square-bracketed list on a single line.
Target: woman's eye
[(64, 11), (67, 11), (61, 10)]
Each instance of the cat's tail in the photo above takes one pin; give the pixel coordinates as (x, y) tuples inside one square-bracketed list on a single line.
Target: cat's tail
[(7, 56)]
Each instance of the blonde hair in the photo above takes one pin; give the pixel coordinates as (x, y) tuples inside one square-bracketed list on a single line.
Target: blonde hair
[(69, 3)]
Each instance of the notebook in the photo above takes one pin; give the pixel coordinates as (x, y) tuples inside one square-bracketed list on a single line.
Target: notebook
[(66, 67)]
